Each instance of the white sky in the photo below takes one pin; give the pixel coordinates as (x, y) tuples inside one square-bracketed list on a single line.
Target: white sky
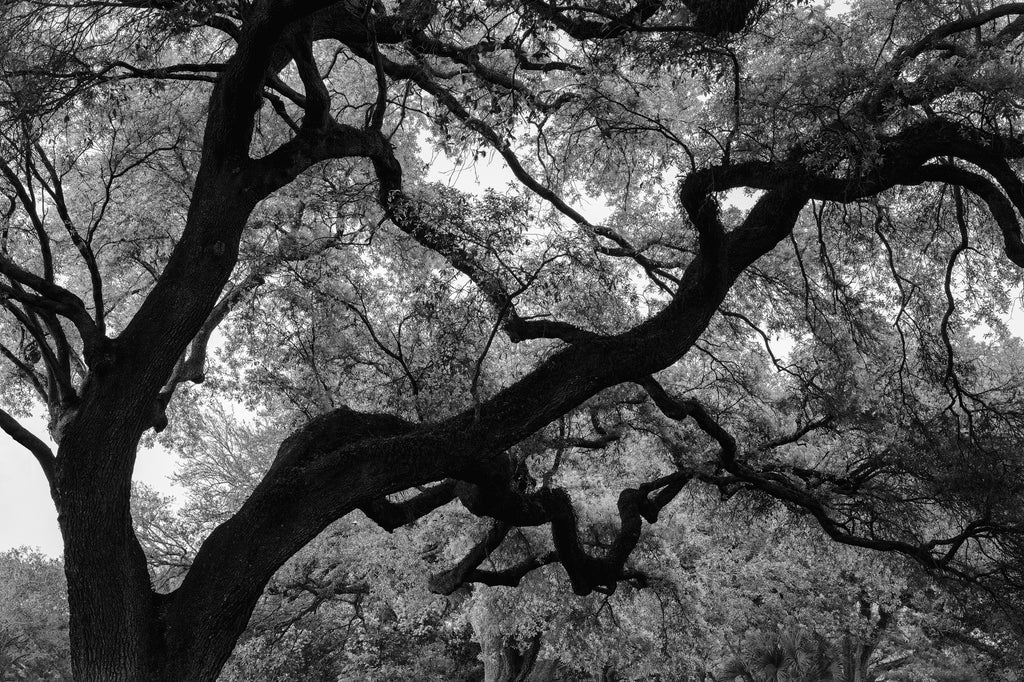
[(27, 515)]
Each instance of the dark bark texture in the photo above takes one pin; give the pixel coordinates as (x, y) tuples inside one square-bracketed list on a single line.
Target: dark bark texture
[(122, 630)]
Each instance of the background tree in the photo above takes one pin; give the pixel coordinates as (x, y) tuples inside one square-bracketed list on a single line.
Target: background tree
[(413, 338), (33, 618)]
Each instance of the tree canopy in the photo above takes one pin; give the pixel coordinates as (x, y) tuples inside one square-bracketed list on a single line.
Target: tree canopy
[(759, 250)]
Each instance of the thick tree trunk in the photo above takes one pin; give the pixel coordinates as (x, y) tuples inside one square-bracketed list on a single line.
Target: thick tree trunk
[(505, 659), (118, 623), (114, 613)]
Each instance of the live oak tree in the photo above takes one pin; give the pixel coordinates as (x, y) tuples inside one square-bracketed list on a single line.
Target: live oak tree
[(846, 177)]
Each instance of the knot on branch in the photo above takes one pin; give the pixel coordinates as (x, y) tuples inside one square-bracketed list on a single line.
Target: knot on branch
[(61, 416)]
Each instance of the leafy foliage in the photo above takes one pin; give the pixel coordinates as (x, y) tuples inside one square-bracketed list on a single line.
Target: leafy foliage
[(33, 620), (225, 232)]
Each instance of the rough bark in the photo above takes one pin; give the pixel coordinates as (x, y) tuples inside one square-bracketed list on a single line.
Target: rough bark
[(505, 659), (344, 460)]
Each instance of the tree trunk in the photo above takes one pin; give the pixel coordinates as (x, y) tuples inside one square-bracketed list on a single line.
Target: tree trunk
[(505, 659), (118, 622), (113, 610)]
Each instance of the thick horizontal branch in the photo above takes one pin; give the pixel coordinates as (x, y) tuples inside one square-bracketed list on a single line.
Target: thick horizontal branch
[(344, 460), (393, 515), (513, 575), (726, 17), (900, 158), (330, 140)]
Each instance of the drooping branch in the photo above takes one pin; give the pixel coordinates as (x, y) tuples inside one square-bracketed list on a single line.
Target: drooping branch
[(448, 581), (937, 553), (679, 410), (604, 436), (40, 450), (999, 206)]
